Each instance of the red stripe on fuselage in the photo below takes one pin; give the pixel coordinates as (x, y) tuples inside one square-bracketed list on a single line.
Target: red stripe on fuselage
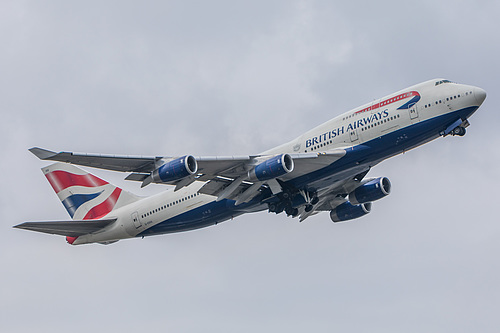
[(390, 101), (60, 180), (105, 207)]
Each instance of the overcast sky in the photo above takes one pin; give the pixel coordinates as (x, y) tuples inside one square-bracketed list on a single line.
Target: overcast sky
[(225, 78)]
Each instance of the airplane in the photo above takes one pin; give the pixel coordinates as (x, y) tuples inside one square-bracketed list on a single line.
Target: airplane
[(323, 169)]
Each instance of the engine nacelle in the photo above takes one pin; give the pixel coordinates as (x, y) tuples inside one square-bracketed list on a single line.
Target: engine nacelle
[(175, 169), (347, 211), (373, 190), (272, 168)]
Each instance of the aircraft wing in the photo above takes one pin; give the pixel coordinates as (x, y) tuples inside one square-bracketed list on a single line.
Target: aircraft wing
[(237, 166), (226, 176), (67, 228), (208, 166), (108, 162), (140, 164)]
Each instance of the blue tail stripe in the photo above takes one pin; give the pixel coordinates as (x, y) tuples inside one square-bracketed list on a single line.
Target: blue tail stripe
[(74, 201)]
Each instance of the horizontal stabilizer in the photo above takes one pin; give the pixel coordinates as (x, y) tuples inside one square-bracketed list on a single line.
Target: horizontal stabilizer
[(67, 228)]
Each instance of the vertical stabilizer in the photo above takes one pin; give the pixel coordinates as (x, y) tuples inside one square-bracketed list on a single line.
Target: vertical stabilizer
[(85, 196)]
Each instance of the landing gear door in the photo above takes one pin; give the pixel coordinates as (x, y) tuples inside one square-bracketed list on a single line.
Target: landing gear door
[(412, 108)]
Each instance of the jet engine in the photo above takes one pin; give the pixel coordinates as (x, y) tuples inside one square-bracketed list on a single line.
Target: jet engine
[(175, 169), (272, 168), (370, 191), (347, 211)]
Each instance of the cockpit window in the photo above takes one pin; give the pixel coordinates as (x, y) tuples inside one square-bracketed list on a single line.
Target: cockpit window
[(442, 81)]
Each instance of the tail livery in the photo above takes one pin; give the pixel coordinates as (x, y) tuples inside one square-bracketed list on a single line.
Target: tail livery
[(87, 198)]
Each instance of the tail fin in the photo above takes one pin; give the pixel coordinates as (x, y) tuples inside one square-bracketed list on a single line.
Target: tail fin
[(85, 196)]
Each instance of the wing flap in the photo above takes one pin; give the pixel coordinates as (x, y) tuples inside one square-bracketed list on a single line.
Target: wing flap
[(225, 166), (67, 228), (138, 177), (217, 185)]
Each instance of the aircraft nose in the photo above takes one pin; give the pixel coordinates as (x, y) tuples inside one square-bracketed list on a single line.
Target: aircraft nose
[(480, 95)]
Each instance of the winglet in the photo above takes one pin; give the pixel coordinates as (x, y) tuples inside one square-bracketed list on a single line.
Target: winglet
[(42, 154)]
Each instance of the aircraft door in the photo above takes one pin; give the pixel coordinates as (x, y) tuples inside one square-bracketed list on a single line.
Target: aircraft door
[(353, 135), (136, 220), (412, 108), (375, 106)]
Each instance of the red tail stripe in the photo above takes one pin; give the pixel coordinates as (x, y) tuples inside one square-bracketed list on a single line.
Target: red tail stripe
[(105, 207), (61, 180), (71, 240)]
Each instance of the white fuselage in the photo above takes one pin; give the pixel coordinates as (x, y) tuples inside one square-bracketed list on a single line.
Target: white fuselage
[(345, 130), (387, 126)]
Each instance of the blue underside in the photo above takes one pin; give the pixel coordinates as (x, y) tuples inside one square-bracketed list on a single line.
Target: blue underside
[(365, 155), (204, 216)]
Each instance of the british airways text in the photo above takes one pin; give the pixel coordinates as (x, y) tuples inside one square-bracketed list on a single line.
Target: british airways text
[(341, 130)]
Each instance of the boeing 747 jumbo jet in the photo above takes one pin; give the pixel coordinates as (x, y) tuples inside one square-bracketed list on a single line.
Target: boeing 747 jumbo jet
[(324, 169)]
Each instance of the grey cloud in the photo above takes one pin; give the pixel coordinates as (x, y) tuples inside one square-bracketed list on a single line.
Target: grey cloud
[(229, 78)]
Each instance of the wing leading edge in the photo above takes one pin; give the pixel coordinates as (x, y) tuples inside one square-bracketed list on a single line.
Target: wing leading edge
[(108, 162)]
